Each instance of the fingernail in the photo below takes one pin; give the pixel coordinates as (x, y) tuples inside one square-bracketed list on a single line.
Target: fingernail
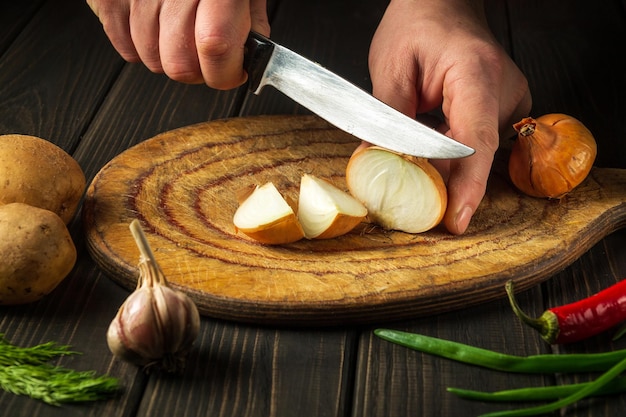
[(463, 218)]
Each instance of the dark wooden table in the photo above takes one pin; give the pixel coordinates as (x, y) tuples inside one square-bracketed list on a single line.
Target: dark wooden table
[(60, 79)]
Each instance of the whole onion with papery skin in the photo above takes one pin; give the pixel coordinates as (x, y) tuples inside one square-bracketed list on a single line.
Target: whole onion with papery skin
[(551, 156)]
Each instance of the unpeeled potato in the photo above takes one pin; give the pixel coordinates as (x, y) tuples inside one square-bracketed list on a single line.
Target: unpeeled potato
[(36, 253), (35, 171)]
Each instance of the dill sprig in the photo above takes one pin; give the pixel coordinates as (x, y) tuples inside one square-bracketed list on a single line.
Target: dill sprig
[(25, 371), (34, 355)]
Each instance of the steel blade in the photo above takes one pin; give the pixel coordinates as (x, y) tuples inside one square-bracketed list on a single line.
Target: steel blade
[(352, 109)]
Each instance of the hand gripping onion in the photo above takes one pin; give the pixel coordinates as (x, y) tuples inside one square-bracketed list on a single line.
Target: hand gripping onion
[(400, 192)]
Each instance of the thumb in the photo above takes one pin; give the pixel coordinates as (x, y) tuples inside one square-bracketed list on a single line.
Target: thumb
[(258, 14), (221, 31)]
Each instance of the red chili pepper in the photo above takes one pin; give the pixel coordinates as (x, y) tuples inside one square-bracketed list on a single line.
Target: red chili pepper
[(578, 320)]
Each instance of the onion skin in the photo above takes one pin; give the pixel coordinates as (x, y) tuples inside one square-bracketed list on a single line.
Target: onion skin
[(343, 224), (552, 155), (280, 232)]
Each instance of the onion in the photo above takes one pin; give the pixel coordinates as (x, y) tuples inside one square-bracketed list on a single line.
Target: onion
[(552, 155), (400, 192), (325, 211), (266, 216)]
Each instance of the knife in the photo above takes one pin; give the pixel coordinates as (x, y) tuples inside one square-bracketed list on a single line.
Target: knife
[(341, 103)]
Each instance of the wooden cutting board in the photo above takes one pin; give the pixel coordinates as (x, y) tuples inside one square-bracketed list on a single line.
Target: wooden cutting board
[(182, 185)]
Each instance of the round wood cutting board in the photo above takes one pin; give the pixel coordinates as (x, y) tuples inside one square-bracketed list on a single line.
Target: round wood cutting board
[(183, 184)]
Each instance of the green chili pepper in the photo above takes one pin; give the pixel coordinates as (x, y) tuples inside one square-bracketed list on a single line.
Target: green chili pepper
[(534, 364), (617, 386), (588, 390)]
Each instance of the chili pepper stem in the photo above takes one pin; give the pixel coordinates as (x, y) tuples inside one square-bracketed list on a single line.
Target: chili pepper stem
[(547, 324)]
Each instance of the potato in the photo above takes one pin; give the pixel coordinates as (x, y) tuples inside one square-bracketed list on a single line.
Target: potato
[(36, 253), (39, 173)]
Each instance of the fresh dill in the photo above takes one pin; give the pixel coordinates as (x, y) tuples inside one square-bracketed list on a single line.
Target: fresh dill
[(25, 371)]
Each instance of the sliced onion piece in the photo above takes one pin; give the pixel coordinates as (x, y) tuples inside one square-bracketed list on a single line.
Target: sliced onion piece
[(400, 192), (266, 216), (325, 211)]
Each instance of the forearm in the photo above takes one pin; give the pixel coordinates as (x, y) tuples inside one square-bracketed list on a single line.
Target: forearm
[(444, 10)]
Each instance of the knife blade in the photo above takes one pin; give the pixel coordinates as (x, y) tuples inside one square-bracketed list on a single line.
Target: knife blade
[(342, 103)]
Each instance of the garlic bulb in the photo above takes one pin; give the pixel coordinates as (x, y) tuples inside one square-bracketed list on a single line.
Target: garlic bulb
[(157, 325)]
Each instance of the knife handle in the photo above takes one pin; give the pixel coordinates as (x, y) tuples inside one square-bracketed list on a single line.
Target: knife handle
[(257, 53)]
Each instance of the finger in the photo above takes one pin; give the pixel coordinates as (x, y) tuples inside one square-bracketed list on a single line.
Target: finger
[(522, 110), (258, 14), (177, 45), (221, 31), (114, 17), (391, 85), (473, 119), (519, 100), (144, 31)]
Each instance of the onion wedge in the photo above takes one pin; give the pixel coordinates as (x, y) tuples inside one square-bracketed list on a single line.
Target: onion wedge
[(325, 211), (265, 216)]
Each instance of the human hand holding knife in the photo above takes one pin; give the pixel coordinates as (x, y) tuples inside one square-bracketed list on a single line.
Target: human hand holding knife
[(342, 103), (417, 64)]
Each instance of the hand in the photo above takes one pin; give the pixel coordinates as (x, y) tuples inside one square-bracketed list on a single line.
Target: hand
[(192, 41), (436, 53)]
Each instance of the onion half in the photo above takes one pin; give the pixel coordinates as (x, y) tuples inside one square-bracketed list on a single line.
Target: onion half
[(400, 192)]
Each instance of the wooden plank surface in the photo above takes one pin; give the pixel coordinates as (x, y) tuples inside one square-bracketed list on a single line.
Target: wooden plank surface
[(15, 16), (55, 74), (86, 99)]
